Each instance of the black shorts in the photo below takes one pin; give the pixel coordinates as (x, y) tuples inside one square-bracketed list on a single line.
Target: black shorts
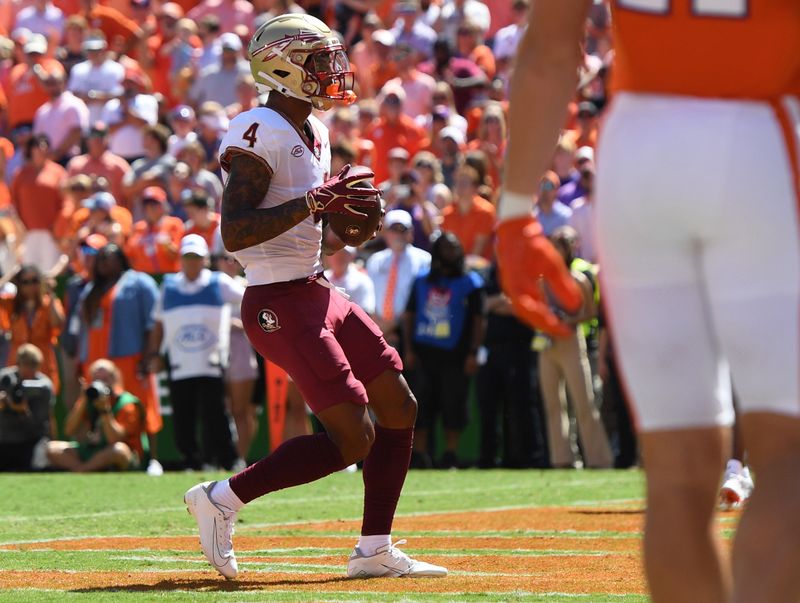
[(440, 386)]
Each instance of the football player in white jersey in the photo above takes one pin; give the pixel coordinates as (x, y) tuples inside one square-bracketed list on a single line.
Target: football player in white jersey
[(277, 163)]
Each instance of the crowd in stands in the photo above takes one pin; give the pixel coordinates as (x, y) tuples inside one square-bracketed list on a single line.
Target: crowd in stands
[(111, 115)]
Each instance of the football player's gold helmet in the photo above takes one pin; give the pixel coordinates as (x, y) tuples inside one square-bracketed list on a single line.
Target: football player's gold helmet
[(299, 56)]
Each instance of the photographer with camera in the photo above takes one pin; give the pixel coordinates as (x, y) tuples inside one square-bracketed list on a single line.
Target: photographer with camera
[(107, 424), (26, 404)]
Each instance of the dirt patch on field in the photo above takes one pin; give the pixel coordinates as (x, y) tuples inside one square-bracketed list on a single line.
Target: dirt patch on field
[(578, 570)]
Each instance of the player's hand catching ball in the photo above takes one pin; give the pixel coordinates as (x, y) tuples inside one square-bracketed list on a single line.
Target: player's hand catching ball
[(343, 194), (526, 258)]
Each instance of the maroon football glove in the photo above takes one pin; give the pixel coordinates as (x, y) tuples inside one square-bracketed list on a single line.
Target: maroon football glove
[(343, 194)]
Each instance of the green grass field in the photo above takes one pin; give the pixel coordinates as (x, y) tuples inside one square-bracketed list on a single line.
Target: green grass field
[(56, 529)]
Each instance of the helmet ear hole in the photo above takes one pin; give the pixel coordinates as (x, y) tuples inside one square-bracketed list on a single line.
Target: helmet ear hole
[(281, 73)]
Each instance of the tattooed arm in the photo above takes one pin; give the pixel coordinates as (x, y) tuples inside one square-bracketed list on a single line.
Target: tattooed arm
[(243, 224)]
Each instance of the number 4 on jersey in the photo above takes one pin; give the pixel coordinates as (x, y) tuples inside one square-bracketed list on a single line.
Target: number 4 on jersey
[(250, 135), (701, 8)]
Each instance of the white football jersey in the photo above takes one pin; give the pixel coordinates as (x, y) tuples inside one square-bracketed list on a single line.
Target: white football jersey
[(295, 168)]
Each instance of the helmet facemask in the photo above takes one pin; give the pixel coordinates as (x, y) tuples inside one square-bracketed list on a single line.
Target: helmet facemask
[(328, 75)]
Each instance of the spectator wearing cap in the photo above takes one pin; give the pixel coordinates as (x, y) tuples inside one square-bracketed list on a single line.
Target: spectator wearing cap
[(115, 319), (551, 212), (198, 177), (100, 214), (470, 217), (192, 324), (455, 13), (82, 267), (203, 220), (98, 79), (154, 243), (384, 67), (183, 123), (575, 187), (24, 86), (469, 43), (71, 51), (396, 166), (64, 119), (343, 273), (424, 215), (393, 271), (411, 29), (129, 116), (114, 25), (229, 12), (418, 86), (100, 161), (42, 17), (151, 170), (451, 145), (38, 199), (218, 82), (507, 38), (462, 75), (394, 129), (587, 125)]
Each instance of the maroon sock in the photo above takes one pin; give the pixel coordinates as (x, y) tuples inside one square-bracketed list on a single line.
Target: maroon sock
[(384, 472), (297, 461)]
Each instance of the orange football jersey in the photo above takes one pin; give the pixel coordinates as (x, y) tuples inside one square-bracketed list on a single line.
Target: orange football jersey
[(707, 48)]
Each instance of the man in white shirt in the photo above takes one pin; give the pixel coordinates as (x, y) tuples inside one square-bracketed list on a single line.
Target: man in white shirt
[(418, 86), (393, 271), (192, 323), (457, 12), (410, 28), (354, 280), (64, 118), (127, 116), (507, 38), (98, 79), (218, 82)]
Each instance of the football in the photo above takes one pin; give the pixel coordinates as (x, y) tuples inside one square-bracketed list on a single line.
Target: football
[(354, 230)]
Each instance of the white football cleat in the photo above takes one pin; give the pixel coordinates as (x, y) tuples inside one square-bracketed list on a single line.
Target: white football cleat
[(735, 491), (390, 562), (216, 523)]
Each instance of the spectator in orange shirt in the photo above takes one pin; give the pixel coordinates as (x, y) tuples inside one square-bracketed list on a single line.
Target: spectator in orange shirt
[(203, 220), (384, 68), (344, 129), (470, 217), (100, 214), (112, 23), (153, 246), (471, 46), (35, 316), (99, 161), (492, 137), (394, 129), (107, 423), (418, 86), (158, 64), (38, 199), (586, 128), (24, 85)]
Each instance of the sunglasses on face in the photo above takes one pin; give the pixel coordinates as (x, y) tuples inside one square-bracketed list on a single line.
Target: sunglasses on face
[(29, 281), (547, 186)]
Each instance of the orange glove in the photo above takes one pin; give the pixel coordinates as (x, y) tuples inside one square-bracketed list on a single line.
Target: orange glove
[(526, 258)]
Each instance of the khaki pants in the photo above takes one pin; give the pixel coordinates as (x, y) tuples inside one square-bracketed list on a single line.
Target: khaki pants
[(565, 363)]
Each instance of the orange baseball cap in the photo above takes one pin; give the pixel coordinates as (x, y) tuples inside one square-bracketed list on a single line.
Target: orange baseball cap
[(154, 193)]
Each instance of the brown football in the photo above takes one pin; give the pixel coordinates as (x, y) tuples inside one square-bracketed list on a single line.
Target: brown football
[(354, 230)]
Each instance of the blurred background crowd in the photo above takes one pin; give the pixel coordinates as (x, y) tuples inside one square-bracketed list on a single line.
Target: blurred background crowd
[(111, 115)]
